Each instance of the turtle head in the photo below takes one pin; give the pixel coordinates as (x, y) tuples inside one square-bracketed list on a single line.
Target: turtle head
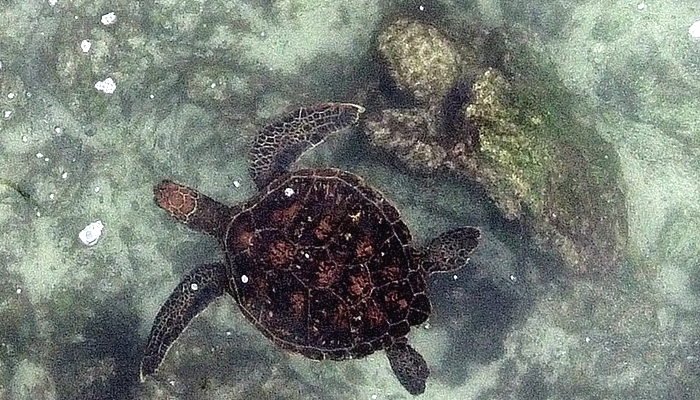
[(192, 208)]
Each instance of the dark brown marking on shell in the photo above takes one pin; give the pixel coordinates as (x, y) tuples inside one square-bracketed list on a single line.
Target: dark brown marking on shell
[(285, 215), (395, 297), (324, 228), (298, 303), (281, 253), (373, 319), (356, 285), (330, 321), (364, 248), (328, 273)]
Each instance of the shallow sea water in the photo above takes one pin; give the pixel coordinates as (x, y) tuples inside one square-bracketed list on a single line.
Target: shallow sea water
[(101, 100)]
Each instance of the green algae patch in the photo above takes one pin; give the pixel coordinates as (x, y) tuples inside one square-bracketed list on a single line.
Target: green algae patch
[(544, 166), (510, 149)]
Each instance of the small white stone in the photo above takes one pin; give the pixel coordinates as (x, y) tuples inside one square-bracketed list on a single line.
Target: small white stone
[(19, 290), (8, 113), (454, 277), (10, 96), (57, 129), (641, 6), (53, 2), (694, 29), (236, 184), (106, 86), (85, 45), (52, 196), (97, 189), (64, 175), (194, 287), (39, 155), (289, 192), (108, 19), (244, 278), (91, 234), (25, 139)]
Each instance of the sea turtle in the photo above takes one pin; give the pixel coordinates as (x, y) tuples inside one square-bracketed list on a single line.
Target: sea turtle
[(319, 261)]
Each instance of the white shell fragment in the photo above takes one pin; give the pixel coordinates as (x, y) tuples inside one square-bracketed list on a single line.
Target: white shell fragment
[(106, 86), (85, 45), (288, 192), (91, 234), (108, 19), (694, 29)]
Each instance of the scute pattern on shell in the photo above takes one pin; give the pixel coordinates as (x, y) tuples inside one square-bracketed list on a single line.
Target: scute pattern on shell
[(330, 272)]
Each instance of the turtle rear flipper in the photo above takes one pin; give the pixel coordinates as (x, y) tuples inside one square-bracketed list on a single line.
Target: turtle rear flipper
[(450, 251), (280, 143), (196, 291), (409, 367)]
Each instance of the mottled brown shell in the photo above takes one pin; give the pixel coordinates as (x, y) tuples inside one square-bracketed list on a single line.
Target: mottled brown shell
[(321, 263)]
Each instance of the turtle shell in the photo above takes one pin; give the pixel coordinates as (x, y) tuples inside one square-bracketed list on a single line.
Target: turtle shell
[(323, 265)]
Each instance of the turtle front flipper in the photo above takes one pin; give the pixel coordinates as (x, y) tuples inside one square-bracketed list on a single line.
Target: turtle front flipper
[(280, 143), (409, 367), (450, 251), (196, 291)]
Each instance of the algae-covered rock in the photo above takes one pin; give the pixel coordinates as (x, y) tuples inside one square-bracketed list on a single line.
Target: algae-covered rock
[(421, 59), (565, 183), (538, 162)]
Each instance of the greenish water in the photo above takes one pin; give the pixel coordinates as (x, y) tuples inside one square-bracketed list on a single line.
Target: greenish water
[(192, 82)]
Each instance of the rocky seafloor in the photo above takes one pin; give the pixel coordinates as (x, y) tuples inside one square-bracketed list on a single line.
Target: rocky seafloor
[(573, 146)]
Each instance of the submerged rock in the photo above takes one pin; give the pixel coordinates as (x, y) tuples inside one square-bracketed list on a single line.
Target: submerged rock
[(424, 62), (513, 129)]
